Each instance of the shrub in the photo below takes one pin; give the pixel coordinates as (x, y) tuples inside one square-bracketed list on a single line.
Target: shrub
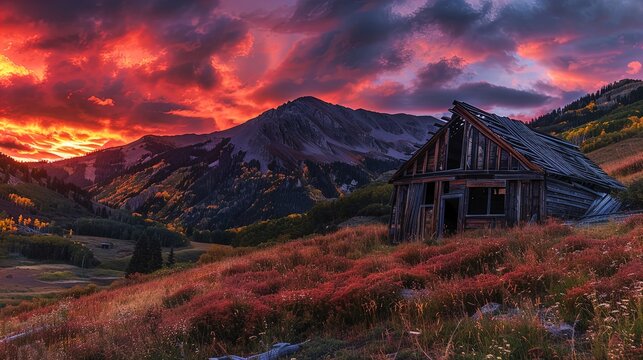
[(531, 279), (180, 296), (414, 254), (364, 301), (456, 297), (374, 210), (469, 259), (632, 198), (229, 321), (554, 229), (219, 252)]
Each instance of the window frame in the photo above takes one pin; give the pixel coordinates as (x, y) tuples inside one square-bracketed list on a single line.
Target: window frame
[(489, 191)]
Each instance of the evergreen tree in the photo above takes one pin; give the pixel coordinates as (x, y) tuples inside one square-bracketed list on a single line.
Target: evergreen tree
[(147, 256), (140, 258), (170, 258), (155, 256)]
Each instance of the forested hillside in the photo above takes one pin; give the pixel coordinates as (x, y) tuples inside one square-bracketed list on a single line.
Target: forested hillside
[(607, 125)]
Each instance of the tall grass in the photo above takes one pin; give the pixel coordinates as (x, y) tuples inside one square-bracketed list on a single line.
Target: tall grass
[(359, 297)]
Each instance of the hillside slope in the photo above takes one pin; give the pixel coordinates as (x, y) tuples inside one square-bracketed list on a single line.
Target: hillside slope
[(622, 160), (279, 163), (32, 193), (607, 125), (358, 297)]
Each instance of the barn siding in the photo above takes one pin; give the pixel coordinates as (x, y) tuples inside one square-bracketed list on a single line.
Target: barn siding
[(567, 200)]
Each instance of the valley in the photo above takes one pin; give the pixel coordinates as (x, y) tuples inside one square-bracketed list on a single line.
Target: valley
[(276, 231), (25, 279)]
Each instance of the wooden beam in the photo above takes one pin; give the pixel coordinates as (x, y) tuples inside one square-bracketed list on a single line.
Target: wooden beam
[(491, 135), (486, 183)]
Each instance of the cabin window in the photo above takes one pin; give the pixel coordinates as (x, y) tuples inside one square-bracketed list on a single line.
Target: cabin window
[(441, 153), (486, 201), (429, 193), (497, 201), (419, 167), (481, 151), (469, 150), (430, 162), (493, 156), (504, 160), (456, 134), (478, 198)]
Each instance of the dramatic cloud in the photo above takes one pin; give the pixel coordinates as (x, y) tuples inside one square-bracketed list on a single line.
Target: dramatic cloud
[(12, 144), (76, 75), (634, 67), (440, 73)]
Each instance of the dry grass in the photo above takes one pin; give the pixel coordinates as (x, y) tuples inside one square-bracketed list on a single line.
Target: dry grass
[(622, 160), (345, 291)]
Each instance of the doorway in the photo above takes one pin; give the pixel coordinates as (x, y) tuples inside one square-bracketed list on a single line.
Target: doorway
[(450, 212)]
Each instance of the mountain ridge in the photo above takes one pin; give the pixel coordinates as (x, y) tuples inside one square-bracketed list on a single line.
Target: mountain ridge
[(81, 170), (278, 163)]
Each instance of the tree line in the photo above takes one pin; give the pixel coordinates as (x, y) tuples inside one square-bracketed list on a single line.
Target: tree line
[(41, 247), (120, 230)]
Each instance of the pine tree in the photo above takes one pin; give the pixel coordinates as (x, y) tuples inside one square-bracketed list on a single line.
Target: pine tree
[(155, 255), (139, 261), (170, 258)]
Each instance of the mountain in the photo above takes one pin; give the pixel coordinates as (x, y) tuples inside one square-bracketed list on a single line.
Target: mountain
[(278, 163), (607, 125), (33, 194), (104, 164)]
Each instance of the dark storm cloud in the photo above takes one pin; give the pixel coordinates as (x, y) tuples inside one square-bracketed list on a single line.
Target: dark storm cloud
[(484, 94), (161, 113), (366, 38), (76, 34), (441, 72), (432, 91), (11, 143), (453, 17)]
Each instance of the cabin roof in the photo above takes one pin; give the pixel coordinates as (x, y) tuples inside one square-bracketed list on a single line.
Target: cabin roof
[(553, 155)]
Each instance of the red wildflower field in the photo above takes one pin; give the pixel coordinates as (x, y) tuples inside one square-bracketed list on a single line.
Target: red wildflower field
[(356, 296)]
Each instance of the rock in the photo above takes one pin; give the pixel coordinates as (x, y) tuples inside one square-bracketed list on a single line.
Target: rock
[(562, 330), (488, 309), (409, 294), (278, 350)]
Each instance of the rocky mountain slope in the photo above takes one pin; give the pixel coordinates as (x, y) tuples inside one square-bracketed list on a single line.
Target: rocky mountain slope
[(276, 164)]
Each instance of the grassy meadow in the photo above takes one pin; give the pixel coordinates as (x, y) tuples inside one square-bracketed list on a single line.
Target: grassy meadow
[(354, 297)]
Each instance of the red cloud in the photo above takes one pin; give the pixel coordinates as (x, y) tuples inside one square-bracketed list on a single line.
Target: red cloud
[(76, 75), (101, 102)]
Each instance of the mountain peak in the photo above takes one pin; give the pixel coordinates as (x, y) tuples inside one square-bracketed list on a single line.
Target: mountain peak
[(309, 98)]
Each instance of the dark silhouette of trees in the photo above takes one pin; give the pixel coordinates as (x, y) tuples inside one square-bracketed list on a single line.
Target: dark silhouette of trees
[(170, 258), (147, 256)]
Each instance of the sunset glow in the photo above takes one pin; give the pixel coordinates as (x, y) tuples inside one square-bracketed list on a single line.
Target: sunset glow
[(77, 75)]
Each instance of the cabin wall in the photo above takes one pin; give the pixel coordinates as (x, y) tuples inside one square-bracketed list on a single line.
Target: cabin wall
[(482, 204), (470, 173), (568, 200), (525, 202)]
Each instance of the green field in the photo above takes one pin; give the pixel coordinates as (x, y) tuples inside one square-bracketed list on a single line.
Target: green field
[(24, 279)]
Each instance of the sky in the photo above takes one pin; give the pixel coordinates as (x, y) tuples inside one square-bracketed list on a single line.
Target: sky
[(80, 75)]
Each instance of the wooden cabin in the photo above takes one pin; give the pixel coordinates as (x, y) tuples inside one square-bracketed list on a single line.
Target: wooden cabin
[(481, 170)]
